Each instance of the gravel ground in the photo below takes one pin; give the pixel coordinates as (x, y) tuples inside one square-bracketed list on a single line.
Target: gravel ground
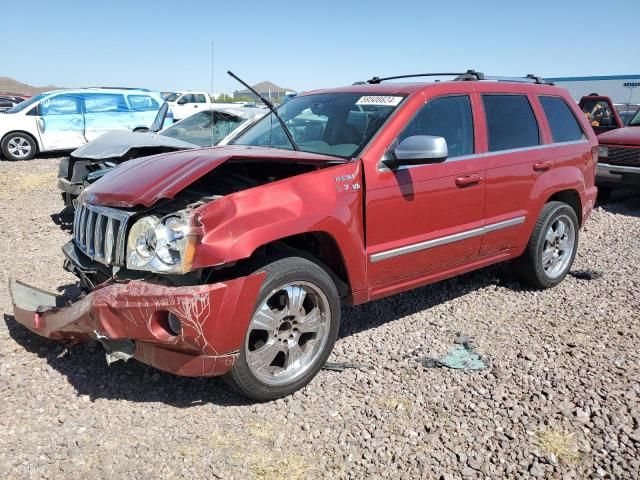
[(559, 399)]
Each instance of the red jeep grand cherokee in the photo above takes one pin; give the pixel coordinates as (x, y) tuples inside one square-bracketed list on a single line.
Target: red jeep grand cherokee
[(235, 260)]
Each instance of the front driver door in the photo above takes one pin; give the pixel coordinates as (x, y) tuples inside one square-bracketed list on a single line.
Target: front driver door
[(423, 219), (60, 122)]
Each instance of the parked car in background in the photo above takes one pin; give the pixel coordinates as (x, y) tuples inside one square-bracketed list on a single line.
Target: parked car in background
[(18, 97), (236, 260), (67, 119), (185, 104), (8, 101), (627, 112), (619, 151), (92, 161), (288, 96)]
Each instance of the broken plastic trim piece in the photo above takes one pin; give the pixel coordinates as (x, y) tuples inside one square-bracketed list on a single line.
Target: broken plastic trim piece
[(341, 366), (121, 349), (587, 274), (33, 299), (461, 357)]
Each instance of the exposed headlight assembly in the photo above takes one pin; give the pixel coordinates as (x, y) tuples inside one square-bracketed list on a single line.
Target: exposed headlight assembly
[(160, 245)]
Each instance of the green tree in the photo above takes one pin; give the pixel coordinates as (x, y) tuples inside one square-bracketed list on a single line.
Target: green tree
[(224, 98)]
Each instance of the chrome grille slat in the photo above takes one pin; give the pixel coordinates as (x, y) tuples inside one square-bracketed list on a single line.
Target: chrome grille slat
[(100, 233), (83, 222), (89, 226), (109, 241), (98, 237)]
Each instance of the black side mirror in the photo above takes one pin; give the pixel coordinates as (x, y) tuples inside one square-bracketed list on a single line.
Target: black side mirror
[(182, 101), (416, 150)]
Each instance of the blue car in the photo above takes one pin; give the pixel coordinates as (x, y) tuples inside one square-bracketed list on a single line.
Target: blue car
[(67, 119)]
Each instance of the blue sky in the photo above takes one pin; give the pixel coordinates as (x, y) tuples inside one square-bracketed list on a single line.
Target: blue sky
[(302, 45)]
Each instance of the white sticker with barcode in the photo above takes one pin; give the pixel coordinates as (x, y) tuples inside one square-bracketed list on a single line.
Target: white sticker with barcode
[(384, 100)]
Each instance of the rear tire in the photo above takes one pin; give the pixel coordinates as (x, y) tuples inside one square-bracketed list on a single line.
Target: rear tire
[(551, 248), (291, 333), (19, 146)]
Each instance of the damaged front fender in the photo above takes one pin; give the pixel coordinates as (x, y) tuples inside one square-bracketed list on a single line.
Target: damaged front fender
[(213, 320)]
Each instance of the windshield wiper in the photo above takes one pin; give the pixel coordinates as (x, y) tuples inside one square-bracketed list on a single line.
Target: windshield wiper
[(270, 107)]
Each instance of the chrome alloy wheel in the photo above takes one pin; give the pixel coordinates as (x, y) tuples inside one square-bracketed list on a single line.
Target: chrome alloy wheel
[(558, 246), (287, 333), (19, 147)]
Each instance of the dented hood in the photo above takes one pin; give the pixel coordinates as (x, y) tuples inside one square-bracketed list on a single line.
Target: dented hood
[(117, 144), (146, 180), (621, 136)]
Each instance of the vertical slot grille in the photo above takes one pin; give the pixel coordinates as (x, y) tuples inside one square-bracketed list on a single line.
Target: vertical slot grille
[(100, 233)]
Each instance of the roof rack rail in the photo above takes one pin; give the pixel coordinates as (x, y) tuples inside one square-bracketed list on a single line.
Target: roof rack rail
[(468, 75), (121, 88), (529, 78)]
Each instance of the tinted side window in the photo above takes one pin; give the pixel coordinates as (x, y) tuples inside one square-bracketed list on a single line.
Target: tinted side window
[(61, 105), (187, 98), (448, 117), (141, 103), (564, 126), (104, 103), (510, 122), (200, 98)]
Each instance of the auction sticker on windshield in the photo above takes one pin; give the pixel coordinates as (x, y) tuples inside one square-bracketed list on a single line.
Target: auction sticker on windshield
[(379, 100)]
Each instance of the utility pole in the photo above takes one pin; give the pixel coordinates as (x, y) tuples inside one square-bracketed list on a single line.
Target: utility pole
[(211, 91)]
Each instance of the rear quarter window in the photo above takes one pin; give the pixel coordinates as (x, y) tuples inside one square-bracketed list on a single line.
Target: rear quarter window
[(143, 103), (562, 122), (511, 122)]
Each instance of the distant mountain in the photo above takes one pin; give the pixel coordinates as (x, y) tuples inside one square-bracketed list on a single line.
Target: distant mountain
[(9, 85)]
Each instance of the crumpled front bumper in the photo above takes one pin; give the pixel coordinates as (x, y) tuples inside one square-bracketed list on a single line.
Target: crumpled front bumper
[(214, 319)]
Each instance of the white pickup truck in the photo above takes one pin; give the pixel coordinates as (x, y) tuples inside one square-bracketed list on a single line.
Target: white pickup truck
[(185, 104)]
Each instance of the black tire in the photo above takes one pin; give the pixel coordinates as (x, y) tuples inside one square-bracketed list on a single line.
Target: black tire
[(7, 150), (604, 194), (529, 266), (281, 272)]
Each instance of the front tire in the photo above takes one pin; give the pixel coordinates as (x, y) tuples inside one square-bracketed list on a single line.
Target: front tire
[(19, 146), (551, 248), (292, 332)]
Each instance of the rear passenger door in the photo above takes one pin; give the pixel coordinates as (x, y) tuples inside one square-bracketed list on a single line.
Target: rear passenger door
[(516, 156), (105, 112), (567, 135)]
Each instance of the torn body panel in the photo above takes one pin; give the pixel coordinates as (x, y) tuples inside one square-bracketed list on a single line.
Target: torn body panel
[(213, 320), (327, 201)]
